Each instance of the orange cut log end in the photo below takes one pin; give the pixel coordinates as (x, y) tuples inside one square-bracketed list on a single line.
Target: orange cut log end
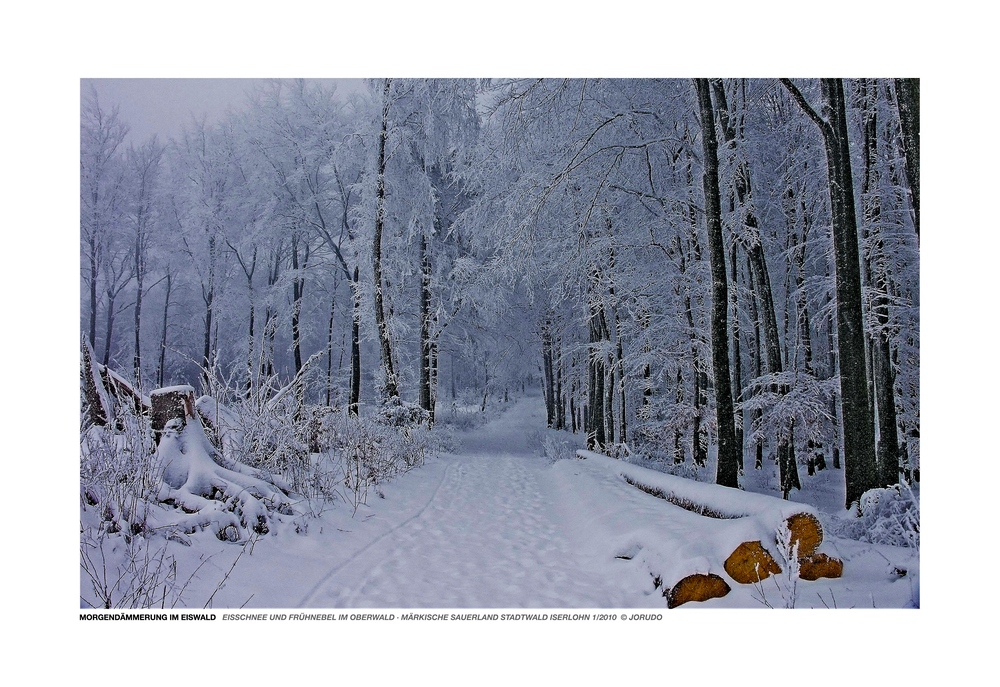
[(807, 531), (820, 565), (750, 563), (697, 587)]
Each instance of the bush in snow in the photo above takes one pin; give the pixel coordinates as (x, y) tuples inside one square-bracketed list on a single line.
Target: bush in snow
[(119, 473), (398, 413), (887, 516), (370, 450), (553, 445)]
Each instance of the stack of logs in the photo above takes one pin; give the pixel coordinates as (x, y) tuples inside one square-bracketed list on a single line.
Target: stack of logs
[(751, 562)]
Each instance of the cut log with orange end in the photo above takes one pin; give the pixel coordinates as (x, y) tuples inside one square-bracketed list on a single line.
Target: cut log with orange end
[(820, 565), (751, 563), (697, 587), (807, 531)]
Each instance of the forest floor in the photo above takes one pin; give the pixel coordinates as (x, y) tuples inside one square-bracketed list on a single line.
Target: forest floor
[(497, 524)]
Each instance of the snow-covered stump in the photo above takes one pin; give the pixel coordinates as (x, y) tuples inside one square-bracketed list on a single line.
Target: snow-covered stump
[(229, 497), (171, 403)]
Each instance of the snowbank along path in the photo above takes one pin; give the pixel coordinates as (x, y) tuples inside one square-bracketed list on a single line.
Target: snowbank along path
[(484, 530)]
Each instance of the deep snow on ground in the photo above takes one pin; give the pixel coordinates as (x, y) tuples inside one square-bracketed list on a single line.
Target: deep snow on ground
[(497, 524)]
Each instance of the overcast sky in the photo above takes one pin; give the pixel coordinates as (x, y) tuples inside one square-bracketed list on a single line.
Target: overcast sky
[(162, 106)]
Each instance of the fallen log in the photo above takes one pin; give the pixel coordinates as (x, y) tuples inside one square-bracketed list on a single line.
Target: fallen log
[(761, 517)]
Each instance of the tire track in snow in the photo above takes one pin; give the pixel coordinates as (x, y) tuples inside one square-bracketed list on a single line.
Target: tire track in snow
[(333, 571), (487, 540), (492, 535)]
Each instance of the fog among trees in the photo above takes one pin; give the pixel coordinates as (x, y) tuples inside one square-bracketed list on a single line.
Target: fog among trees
[(706, 271)]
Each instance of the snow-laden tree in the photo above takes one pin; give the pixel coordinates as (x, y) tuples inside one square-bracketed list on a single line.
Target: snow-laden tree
[(102, 208)]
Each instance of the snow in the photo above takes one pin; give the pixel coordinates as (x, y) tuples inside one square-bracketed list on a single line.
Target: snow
[(498, 525), (179, 388)]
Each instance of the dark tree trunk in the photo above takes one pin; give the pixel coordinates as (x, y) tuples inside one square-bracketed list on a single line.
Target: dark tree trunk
[(298, 290), (355, 399), (882, 376), (329, 347), (737, 358), (727, 473), (760, 280), (560, 399), (679, 398), (140, 271), (208, 295), (609, 401), (596, 437), (425, 326), (908, 104), (859, 434), (547, 381), (163, 334), (109, 329), (756, 356), (834, 405), (391, 389), (572, 395)]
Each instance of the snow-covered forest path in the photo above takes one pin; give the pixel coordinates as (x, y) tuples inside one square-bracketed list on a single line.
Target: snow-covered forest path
[(487, 536)]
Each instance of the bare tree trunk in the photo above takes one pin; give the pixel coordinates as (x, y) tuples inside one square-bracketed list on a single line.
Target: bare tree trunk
[(859, 441), (908, 104), (298, 289), (727, 473), (391, 388), (163, 336), (596, 437), (355, 399), (426, 316), (208, 296), (547, 374), (737, 358), (882, 376), (329, 346)]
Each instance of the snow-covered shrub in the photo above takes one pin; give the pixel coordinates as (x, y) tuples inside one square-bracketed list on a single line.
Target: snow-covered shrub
[(264, 436), (125, 572), (555, 447), (119, 473), (118, 571), (461, 416), (617, 451), (887, 516), (399, 413), (785, 582), (360, 453)]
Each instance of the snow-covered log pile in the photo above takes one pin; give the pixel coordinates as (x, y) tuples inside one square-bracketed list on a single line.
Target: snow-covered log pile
[(705, 534), (227, 496)]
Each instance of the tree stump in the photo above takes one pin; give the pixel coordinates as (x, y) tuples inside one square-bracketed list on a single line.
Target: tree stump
[(697, 587), (171, 403), (751, 563)]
